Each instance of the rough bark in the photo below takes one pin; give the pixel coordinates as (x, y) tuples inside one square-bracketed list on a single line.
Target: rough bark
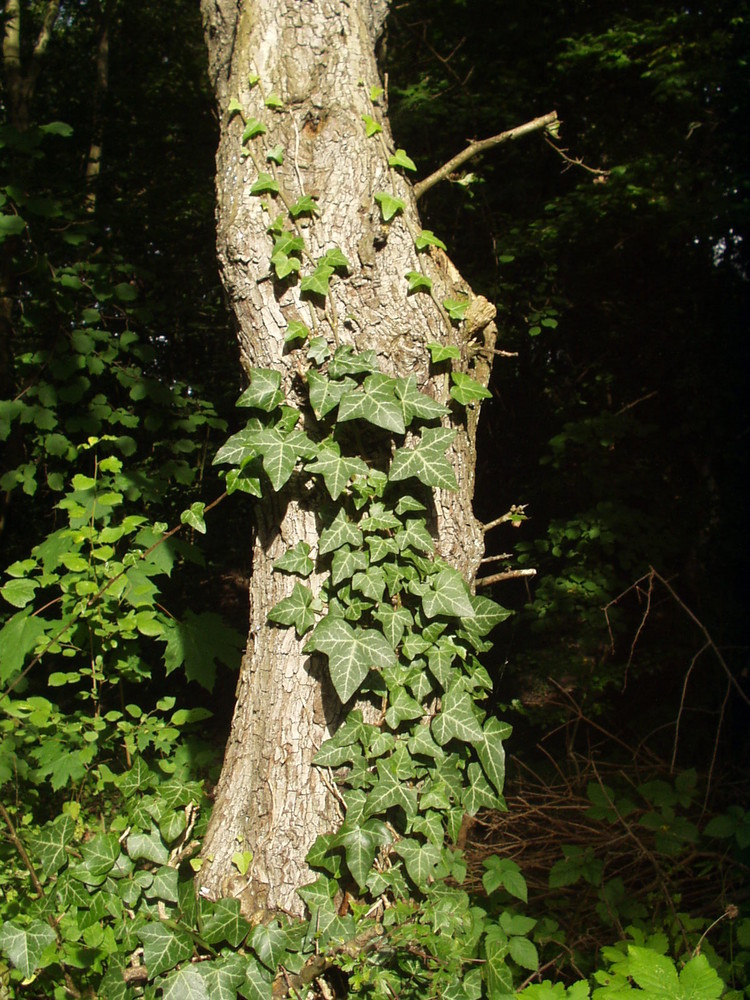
[(318, 56)]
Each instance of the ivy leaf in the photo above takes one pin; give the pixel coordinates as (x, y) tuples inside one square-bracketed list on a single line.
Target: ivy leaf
[(443, 352), (148, 846), (497, 974), (346, 361), (25, 947), (389, 206), (394, 622), (491, 751), (418, 281), (416, 405), (317, 282), (276, 155), (318, 350), (269, 942), (371, 126), (360, 845), (304, 206), (448, 595), (185, 984), (298, 609), (296, 331), (274, 102), (375, 402), (193, 517), (264, 392), (335, 470), (456, 719), (296, 560), (351, 653), (426, 462), (265, 184), (401, 159), (415, 535), (223, 921), (284, 265), (428, 239), (48, 845), (252, 128), (456, 308), (389, 792), (478, 793), (486, 615), (346, 562), (340, 532), (164, 948), (466, 390), (402, 708), (326, 394), (280, 453), (370, 583), (258, 982), (420, 860), (335, 258)]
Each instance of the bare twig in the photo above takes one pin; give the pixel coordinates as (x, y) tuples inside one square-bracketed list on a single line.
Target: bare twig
[(575, 162), (479, 146), (515, 514), (509, 574)]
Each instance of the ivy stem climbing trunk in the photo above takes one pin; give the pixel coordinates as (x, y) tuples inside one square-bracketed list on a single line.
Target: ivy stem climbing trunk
[(307, 73)]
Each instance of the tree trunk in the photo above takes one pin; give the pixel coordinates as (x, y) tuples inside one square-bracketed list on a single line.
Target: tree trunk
[(318, 56)]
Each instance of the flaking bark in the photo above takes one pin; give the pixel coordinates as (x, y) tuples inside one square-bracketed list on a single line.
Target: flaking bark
[(318, 57)]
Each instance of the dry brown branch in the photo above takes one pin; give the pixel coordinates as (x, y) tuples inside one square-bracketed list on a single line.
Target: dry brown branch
[(574, 161), (479, 146), (508, 574)]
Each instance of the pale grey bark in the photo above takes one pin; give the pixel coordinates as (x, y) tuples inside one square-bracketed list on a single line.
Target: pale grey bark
[(318, 56)]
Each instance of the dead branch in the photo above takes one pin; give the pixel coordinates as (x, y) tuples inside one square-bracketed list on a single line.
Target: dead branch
[(479, 146)]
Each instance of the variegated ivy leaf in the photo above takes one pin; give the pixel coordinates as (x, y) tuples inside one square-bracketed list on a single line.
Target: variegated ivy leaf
[(347, 361), (478, 793), (421, 743), (487, 614), (269, 942), (246, 479), (491, 751), (380, 548), (318, 350), (371, 583), (390, 791), (325, 394), (448, 595), (379, 518), (264, 391), (466, 390), (375, 402), (48, 845), (497, 974), (415, 535), (279, 449), (258, 983), (164, 948), (340, 532), (361, 843), (351, 653), (394, 622), (296, 560), (345, 563), (402, 708), (298, 609), (25, 946), (335, 470), (284, 265), (420, 860), (457, 718), (415, 404), (407, 505), (426, 461), (440, 660)]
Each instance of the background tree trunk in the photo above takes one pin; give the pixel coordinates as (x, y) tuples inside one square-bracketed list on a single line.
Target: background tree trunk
[(318, 56)]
